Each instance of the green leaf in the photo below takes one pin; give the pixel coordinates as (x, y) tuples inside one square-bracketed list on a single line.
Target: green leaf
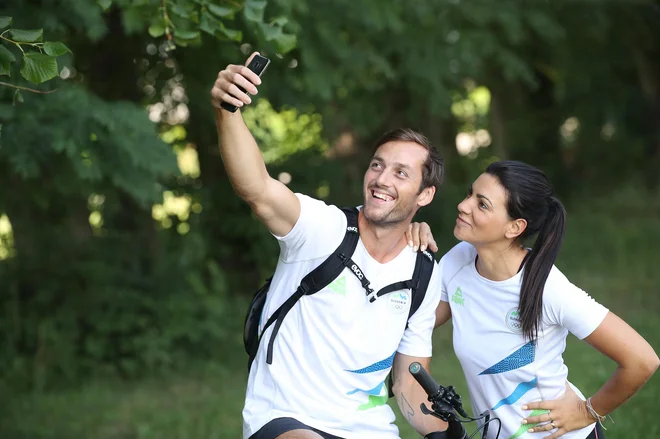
[(279, 21), (254, 10), (27, 36), (5, 22), (6, 58), (186, 34), (105, 4), (157, 30), (232, 34), (182, 11), (18, 97), (208, 23), (38, 68), (285, 43), (55, 49), (132, 20), (220, 11), (270, 32)]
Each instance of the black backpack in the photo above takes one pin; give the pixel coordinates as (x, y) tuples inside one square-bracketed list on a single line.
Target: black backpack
[(321, 277)]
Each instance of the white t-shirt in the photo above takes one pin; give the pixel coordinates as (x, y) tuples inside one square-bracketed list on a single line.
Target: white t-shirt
[(502, 369), (334, 349)]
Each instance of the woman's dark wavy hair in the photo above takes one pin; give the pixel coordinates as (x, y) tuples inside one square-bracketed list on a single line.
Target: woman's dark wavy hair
[(530, 196)]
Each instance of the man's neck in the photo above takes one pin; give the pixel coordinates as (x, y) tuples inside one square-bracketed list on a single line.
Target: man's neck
[(500, 261), (382, 243)]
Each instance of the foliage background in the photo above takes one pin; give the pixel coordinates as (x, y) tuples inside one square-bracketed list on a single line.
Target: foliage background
[(126, 260)]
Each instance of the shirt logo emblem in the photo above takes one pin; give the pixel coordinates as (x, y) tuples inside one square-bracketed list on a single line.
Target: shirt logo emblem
[(457, 297), (512, 320), (339, 285), (399, 301)]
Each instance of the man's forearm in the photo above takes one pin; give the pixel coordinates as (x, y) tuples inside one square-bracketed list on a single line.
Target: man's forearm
[(409, 400), (241, 156), (410, 395)]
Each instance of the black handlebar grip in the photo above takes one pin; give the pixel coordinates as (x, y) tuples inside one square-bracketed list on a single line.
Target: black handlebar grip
[(424, 378)]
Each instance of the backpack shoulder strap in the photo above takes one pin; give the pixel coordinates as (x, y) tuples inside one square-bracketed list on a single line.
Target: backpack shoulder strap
[(332, 267), (424, 266), (420, 280), (318, 278)]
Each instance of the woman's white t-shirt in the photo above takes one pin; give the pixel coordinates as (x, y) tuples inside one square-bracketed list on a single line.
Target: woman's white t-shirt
[(503, 370)]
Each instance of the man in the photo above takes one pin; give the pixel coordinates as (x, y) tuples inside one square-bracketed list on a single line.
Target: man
[(335, 348)]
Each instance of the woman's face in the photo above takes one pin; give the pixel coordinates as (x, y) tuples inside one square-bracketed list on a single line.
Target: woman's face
[(482, 215)]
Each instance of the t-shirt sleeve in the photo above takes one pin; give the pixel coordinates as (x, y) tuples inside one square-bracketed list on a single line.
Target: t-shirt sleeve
[(567, 305), (452, 263), (444, 296), (416, 340), (318, 231)]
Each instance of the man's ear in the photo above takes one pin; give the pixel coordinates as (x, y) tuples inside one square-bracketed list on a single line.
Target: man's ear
[(426, 196), (515, 228)]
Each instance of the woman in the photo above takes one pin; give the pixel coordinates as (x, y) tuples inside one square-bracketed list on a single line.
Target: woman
[(512, 310)]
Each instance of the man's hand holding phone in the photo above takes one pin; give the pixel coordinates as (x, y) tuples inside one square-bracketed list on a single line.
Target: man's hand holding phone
[(231, 89)]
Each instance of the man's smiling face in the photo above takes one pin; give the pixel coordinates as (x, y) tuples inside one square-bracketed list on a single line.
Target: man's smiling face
[(392, 183)]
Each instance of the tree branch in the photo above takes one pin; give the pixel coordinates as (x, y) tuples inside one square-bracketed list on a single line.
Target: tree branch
[(28, 89)]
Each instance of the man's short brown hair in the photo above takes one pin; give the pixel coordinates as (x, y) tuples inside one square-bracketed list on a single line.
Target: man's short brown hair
[(433, 170)]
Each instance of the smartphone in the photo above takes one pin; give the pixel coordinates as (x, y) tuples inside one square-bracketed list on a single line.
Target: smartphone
[(257, 65)]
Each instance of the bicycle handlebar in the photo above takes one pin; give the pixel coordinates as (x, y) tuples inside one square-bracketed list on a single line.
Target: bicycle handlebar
[(445, 403), (424, 379)]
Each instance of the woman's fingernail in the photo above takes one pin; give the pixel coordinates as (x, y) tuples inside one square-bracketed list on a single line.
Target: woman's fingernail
[(531, 430), (410, 243), (524, 421), (422, 248), (415, 248), (524, 407)]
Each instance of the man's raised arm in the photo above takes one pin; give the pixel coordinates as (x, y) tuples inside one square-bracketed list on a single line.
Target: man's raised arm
[(274, 203)]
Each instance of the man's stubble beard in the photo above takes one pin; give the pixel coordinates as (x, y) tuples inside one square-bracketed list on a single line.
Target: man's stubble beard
[(391, 219)]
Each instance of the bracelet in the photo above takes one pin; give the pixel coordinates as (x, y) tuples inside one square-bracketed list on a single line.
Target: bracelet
[(596, 416)]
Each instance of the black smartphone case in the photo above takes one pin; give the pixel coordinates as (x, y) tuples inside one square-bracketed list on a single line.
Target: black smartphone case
[(257, 65)]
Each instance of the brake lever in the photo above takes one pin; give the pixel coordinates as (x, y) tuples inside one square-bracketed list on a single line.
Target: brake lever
[(442, 411), (426, 411), (455, 399)]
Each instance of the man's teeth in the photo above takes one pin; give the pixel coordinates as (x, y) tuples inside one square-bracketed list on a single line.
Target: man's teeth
[(382, 197)]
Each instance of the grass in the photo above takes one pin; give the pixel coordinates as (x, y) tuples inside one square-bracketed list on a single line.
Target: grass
[(606, 253)]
